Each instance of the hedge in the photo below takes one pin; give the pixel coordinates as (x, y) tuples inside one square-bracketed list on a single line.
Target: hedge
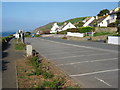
[(86, 29)]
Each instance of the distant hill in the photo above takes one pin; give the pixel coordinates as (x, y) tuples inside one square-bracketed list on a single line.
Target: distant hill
[(48, 26)]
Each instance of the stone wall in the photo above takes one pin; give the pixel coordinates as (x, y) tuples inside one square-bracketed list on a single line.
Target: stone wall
[(105, 29), (88, 38)]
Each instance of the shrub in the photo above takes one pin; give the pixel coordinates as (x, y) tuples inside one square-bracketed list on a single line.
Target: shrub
[(86, 29), (112, 24), (37, 35), (53, 84), (116, 35), (30, 74), (27, 35), (69, 30), (47, 75), (34, 61)]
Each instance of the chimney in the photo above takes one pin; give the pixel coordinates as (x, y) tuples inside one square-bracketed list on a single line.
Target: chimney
[(96, 17)]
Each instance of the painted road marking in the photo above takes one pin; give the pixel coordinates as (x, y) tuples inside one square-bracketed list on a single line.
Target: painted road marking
[(80, 56), (88, 61), (82, 46), (68, 52), (102, 81), (84, 74)]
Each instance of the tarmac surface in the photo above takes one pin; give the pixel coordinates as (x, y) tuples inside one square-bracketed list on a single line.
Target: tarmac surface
[(90, 64), (9, 57)]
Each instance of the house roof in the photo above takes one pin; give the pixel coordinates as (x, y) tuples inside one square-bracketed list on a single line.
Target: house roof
[(115, 11), (100, 19), (87, 19)]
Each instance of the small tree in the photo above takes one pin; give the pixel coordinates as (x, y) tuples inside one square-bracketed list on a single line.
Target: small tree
[(27, 33), (103, 12)]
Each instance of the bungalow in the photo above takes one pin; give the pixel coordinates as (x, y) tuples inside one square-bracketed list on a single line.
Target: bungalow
[(87, 21), (55, 28), (102, 21)]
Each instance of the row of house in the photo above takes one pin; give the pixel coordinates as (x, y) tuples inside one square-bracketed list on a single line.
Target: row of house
[(102, 21), (97, 21)]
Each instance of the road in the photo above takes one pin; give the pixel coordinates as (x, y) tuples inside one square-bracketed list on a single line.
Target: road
[(90, 64)]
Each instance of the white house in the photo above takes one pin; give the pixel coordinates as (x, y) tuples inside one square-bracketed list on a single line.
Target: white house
[(55, 28), (102, 21), (67, 26), (87, 21), (113, 14)]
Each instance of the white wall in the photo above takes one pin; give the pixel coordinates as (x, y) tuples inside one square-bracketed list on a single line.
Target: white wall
[(88, 22), (113, 19), (114, 40), (75, 34)]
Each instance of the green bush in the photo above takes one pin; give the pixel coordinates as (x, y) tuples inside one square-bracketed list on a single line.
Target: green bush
[(37, 35), (30, 74), (116, 35), (6, 39), (27, 35), (34, 61), (86, 29), (53, 84), (112, 24), (69, 30)]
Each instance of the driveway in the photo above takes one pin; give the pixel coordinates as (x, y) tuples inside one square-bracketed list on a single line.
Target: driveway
[(90, 64)]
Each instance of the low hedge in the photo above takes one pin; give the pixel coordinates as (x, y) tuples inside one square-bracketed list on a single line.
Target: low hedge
[(86, 29), (69, 30), (78, 30)]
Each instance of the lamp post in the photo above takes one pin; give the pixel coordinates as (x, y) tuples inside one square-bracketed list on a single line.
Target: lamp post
[(118, 22)]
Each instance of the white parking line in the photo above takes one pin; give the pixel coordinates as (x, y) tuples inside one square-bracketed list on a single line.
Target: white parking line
[(102, 81), (68, 52), (88, 61), (84, 74), (79, 56), (82, 46)]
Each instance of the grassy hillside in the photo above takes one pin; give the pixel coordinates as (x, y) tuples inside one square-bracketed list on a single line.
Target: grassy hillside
[(46, 27), (49, 25)]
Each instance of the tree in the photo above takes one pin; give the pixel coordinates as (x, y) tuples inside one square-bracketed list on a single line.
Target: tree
[(27, 33), (103, 12)]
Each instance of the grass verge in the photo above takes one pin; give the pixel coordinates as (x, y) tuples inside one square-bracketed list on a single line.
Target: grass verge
[(34, 72)]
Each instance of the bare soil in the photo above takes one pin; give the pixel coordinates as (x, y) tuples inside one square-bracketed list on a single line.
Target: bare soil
[(24, 81)]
